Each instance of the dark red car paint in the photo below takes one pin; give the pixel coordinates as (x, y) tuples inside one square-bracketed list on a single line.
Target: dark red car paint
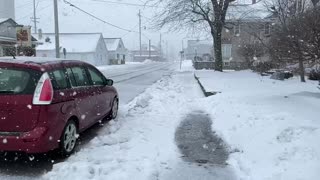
[(37, 128)]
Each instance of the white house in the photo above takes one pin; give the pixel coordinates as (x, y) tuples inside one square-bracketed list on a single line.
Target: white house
[(8, 34), (116, 50), (199, 48), (88, 47)]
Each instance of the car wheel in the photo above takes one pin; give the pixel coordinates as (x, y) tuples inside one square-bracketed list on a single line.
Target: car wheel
[(68, 139), (115, 108)]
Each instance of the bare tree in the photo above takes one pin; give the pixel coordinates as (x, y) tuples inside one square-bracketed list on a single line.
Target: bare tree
[(196, 13), (250, 51), (296, 37)]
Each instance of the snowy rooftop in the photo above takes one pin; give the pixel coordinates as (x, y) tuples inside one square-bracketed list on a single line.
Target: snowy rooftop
[(73, 42), (112, 43), (246, 11), (33, 59), (3, 20)]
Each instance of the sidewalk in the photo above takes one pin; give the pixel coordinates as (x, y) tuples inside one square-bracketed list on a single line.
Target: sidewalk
[(142, 143), (272, 126)]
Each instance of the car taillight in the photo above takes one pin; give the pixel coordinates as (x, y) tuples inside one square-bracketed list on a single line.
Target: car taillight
[(44, 92)]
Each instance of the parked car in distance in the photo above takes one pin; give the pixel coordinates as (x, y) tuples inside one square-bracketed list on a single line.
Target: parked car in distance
[(45, 103)]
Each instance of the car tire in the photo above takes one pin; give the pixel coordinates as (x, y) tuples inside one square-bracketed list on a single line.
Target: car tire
[(68, 140), (114, 110)]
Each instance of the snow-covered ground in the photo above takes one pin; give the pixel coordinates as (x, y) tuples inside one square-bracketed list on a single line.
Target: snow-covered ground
[(274, 126), (140, 144), (271, 127)]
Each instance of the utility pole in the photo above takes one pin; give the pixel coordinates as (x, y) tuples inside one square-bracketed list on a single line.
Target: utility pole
[(56, 27), (161, 46), (149, 48), (181, 53), (167, 50), (34, 19), (140, 33)]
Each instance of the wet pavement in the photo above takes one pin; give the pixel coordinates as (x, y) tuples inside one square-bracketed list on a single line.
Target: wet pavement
[(198, 143)]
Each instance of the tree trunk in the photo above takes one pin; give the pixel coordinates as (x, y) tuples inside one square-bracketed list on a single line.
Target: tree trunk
[(218, 49), (301, 66), (301, 69)]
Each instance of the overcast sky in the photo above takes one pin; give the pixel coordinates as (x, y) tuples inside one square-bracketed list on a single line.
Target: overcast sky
[(125, 16)]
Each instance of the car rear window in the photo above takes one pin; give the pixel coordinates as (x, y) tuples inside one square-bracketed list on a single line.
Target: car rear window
[(18, 81)]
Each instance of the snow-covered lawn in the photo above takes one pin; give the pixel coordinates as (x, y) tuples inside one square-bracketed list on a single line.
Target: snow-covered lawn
[(140, 144), (275, 125), (272, 129)]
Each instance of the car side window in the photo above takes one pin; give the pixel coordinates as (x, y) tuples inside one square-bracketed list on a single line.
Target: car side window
[(96, 77), (71, 77), (80, 76), (59, 80)]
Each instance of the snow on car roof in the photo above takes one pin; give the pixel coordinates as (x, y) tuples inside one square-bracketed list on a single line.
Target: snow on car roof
[(73, 42), (22, 59)]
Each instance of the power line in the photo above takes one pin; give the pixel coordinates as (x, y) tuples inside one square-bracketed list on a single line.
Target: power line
[(30, 14), (128, 4), (132, 31), (95, 17)]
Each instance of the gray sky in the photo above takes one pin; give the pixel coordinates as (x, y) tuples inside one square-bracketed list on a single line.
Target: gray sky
[(125, 16)]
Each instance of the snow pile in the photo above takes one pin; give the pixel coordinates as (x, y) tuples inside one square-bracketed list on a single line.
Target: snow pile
[(139, 145), (272, 126), (187, 65), (147, 61)]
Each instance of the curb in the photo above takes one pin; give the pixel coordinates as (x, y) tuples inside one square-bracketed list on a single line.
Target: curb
[(206, 93)]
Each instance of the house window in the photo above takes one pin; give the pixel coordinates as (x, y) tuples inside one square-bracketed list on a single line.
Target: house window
[(236, 30), (226, 51), (267, 29)]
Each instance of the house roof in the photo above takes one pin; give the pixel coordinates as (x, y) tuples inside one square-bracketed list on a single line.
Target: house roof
[(247, 11), (112, 43), (3, 20), (73, 42)]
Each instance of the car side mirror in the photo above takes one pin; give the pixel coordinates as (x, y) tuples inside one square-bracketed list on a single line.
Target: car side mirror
[(109, 82)]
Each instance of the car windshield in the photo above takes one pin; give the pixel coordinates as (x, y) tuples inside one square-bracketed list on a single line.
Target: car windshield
[(160, 89)]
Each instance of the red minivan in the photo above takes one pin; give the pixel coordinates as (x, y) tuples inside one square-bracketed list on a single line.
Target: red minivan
[(45, 104)]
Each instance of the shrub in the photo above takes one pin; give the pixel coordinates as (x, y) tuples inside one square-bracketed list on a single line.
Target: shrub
[(262, 67), (314, 74)]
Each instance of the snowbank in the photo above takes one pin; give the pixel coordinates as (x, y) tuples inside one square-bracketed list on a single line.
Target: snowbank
[(273, 126), (140, 145), (272, 129)]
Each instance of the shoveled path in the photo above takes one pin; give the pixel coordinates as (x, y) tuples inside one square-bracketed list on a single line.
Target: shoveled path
[(197, 142)]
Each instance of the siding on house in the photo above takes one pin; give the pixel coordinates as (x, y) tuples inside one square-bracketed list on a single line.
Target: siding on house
[(199, 48), (8, 34), (246, 24), (116, 50), (250, 32)]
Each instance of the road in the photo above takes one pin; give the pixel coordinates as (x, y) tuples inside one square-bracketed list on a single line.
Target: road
[(130, 81)]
